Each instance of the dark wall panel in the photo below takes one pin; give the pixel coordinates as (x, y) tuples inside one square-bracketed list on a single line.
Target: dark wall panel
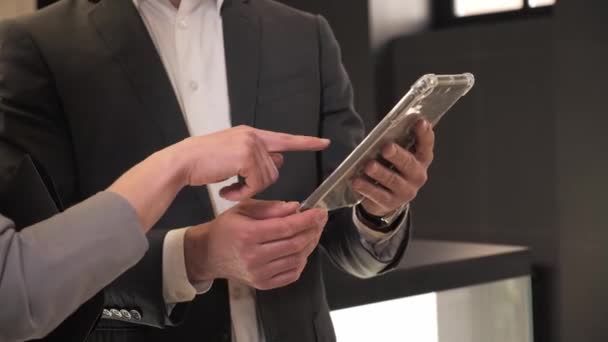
[(43, 3), (582, 161), (494, 176)]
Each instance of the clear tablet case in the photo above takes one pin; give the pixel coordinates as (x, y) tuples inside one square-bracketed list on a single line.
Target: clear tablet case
[(429, 98)]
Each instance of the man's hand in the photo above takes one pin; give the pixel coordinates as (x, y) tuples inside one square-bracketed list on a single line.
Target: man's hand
[(253, 154), (400, 184), (262, 244)]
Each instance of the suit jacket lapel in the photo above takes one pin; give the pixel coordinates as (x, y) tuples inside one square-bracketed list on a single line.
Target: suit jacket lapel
[(124, 33), (126, 36), (241, 45)]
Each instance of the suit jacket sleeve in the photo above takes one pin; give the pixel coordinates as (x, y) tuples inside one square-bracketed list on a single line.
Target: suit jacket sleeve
[(344, 127), (32, 121), (51, 268)]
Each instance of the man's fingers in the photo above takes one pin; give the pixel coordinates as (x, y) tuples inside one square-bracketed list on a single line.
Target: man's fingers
[(386, 177), (281, 280), (410, 168), (276, 229), (263, 210), (288, 262), (403, 160), (425, 142), (298, 244), (281, 142), (375, 193)]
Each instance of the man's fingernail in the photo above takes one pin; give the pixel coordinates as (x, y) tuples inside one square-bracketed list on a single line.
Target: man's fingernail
[(326, 141)]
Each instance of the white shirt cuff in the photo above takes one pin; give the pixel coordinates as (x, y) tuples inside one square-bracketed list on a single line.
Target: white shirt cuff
[(176, 285), (374, 237)]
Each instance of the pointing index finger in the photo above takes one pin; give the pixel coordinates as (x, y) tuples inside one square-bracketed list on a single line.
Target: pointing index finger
[(281, 142)]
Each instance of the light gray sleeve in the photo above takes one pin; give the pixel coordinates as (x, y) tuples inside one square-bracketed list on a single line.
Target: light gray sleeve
[(49, 269)]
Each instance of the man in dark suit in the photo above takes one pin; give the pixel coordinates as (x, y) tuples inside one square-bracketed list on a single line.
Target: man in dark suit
[(88, 88)]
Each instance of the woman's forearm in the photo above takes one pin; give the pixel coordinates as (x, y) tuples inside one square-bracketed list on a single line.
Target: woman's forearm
[(52, 267), (152, 185)]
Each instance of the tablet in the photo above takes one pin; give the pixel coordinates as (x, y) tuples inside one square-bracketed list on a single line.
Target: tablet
[(429, 98)]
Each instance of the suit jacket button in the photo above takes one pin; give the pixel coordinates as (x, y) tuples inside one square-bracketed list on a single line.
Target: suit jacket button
[(106, 313), (115, 313), (135, 315), (125, 314)]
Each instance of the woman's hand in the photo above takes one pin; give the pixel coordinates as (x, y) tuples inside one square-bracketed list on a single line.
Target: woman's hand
[(252, 154)]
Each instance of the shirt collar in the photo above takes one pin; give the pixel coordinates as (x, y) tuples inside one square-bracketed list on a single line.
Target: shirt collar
[(219, 3)]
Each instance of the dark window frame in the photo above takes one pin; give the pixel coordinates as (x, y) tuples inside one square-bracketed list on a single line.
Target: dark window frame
[(444, 14), (44, 3)]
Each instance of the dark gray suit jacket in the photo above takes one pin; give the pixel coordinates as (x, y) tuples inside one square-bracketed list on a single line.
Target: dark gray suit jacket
[(83, 90)]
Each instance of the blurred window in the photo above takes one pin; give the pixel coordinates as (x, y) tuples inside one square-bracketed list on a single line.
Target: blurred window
[(457, 12), (541, 3), (465, 8)]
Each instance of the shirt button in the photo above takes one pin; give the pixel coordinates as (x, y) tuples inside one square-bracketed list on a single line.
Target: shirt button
[(125, 314), (182, 23), (116, 313), (193, 85), (136, 315)]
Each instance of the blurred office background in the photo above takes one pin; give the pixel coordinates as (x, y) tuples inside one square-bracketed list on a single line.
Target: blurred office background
[(11, 8), (523, 159)]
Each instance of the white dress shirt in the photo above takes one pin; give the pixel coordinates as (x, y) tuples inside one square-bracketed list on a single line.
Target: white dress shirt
[(190, 42)]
